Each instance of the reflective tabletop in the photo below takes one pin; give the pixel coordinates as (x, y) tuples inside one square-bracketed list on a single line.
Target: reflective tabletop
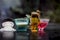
[(42, 35)]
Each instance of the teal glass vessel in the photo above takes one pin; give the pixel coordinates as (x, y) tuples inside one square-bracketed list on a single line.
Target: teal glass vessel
[(21, 24)]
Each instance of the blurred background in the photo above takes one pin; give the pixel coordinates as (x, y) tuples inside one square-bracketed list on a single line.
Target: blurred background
[(19, 8), (48, 8)]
